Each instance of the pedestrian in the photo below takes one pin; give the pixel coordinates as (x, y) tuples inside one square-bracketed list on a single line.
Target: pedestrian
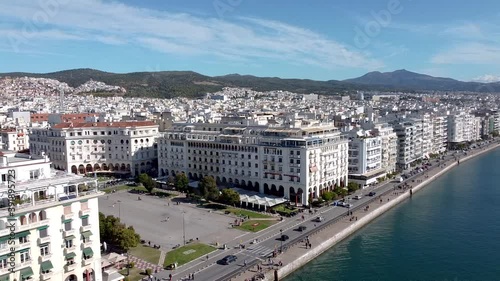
[(192, 275), (207, 257), (245, 263)]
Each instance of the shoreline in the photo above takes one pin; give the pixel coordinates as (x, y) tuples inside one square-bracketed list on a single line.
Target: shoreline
[(295, 257)]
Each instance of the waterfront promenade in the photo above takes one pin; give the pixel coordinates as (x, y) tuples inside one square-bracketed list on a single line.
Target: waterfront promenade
[(297, 255)]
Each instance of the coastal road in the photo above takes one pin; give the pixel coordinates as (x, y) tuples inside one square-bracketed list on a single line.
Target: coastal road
[(268, 239)]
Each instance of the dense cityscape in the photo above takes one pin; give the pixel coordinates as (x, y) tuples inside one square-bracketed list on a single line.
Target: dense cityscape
[(264, 157)]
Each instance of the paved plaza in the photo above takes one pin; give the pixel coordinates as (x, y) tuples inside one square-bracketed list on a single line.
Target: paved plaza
[(161, 220)]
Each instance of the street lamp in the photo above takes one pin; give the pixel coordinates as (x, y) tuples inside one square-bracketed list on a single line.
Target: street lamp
[(183, 228), (119, 210), (281, 247)]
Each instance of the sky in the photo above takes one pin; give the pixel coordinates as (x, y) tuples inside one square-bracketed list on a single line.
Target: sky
[(320, 40)]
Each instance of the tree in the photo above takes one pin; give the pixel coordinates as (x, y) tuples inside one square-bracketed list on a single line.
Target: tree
[(147, 181), (495, 134), (229, 196), (114, 232), (208, 188), (181, 182), (340, 191), (352, 187), (328, 195)]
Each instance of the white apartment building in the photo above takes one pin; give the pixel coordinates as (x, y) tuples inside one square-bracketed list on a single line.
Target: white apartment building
[(14, 139), (51, 231), (439, 134), (365, 158), (409, 134), (118, 147), (297, 163), (463, 127), (389, 146)]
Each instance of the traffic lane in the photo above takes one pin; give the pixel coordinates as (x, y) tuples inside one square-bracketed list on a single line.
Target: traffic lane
[(219, 271)]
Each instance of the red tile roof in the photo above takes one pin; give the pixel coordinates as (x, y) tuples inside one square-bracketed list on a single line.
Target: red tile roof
[(123, 124)]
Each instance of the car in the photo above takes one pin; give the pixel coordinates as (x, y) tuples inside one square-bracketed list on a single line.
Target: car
[(284, 237), (318, 219), (340, 203), (357, 197), (347, 205), (373, 193), (301, 228), (227, 259)]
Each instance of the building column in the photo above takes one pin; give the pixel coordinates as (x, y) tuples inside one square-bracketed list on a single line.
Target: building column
[(32, 198)]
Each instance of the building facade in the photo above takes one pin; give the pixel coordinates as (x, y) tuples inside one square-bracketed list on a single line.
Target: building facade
[(53, 231), (297, 163), (79, 148), (365, 159)]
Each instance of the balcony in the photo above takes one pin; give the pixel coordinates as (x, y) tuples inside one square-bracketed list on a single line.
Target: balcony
[(84, 212), (46, 276), (70, 250), (70, 232), (87, 261), (70, 267), (43, 240), (20, 246), (67, 216), (85, 228), (45, 258)]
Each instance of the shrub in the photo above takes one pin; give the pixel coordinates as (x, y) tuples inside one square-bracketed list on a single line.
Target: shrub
[(126, 278), (131, 264), (148, 271)]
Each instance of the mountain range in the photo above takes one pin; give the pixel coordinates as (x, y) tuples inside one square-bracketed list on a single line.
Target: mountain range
[(169, 84)]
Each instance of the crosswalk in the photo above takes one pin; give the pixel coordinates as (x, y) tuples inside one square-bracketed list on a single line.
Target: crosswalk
[(259, 250)]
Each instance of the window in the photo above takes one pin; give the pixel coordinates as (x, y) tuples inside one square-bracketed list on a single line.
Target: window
[(23, 240), (44, 250), (67, 210), (25, 256), (44, 233), (85, 221), (69, 243), (3, 262), (67, 226)]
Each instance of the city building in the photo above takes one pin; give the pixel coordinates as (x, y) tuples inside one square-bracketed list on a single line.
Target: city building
[(49, 223), (126, 148), (14, 139), (297, 163), (463, 127), (365, 158)]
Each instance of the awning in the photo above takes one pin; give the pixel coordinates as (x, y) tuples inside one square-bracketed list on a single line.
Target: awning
[(26, 273), (71, 237), (84, 216), (46, 266), (67, 221), (43, 227), (4, 239), (5, 277), (22, 234), (88, 252), (70, 256), (86, 234)]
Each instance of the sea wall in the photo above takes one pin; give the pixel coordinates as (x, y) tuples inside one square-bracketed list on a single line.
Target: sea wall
[(321, 248)]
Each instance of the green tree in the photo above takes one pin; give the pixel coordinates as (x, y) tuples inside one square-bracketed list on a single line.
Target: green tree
[(229, 196), (147, 181), (340, 191), (352, 187), (328, 195), (181, 182), (114, 232), (495, 134), (208, 188), (128, 238)]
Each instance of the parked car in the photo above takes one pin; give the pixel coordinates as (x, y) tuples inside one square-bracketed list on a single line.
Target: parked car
[(357, 197), (227, 260), (318, 219), (347, 205), (373, 193), (340, 203), (284, 237), (301, 228)]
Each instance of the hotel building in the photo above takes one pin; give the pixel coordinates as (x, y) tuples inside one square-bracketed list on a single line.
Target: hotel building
[(51, 230), (294, 162), (80, 148)]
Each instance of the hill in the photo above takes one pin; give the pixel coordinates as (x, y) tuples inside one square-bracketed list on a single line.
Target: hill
[(169, 84), (411, 80)]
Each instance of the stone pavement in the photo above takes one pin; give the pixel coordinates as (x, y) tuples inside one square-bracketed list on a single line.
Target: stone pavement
[(142, 264)]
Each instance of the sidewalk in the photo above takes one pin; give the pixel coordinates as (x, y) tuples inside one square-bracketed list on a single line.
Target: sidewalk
[(347, 225)]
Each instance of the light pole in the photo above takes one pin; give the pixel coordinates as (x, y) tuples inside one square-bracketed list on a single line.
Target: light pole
[(281, 247), (183, 228), (119, 210)]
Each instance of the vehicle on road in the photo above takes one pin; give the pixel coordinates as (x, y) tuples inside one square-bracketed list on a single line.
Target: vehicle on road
[(227, 260), (284, 237), (318, 219), (347, 205), (373, 193), (301, 228), (357, 197), (340, 203)]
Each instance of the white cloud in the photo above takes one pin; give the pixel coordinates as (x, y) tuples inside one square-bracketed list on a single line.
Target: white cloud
[(469, 53), (245, 39), (487, 78)]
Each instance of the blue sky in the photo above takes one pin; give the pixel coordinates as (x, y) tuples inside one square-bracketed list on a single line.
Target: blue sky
[(283, 38)]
